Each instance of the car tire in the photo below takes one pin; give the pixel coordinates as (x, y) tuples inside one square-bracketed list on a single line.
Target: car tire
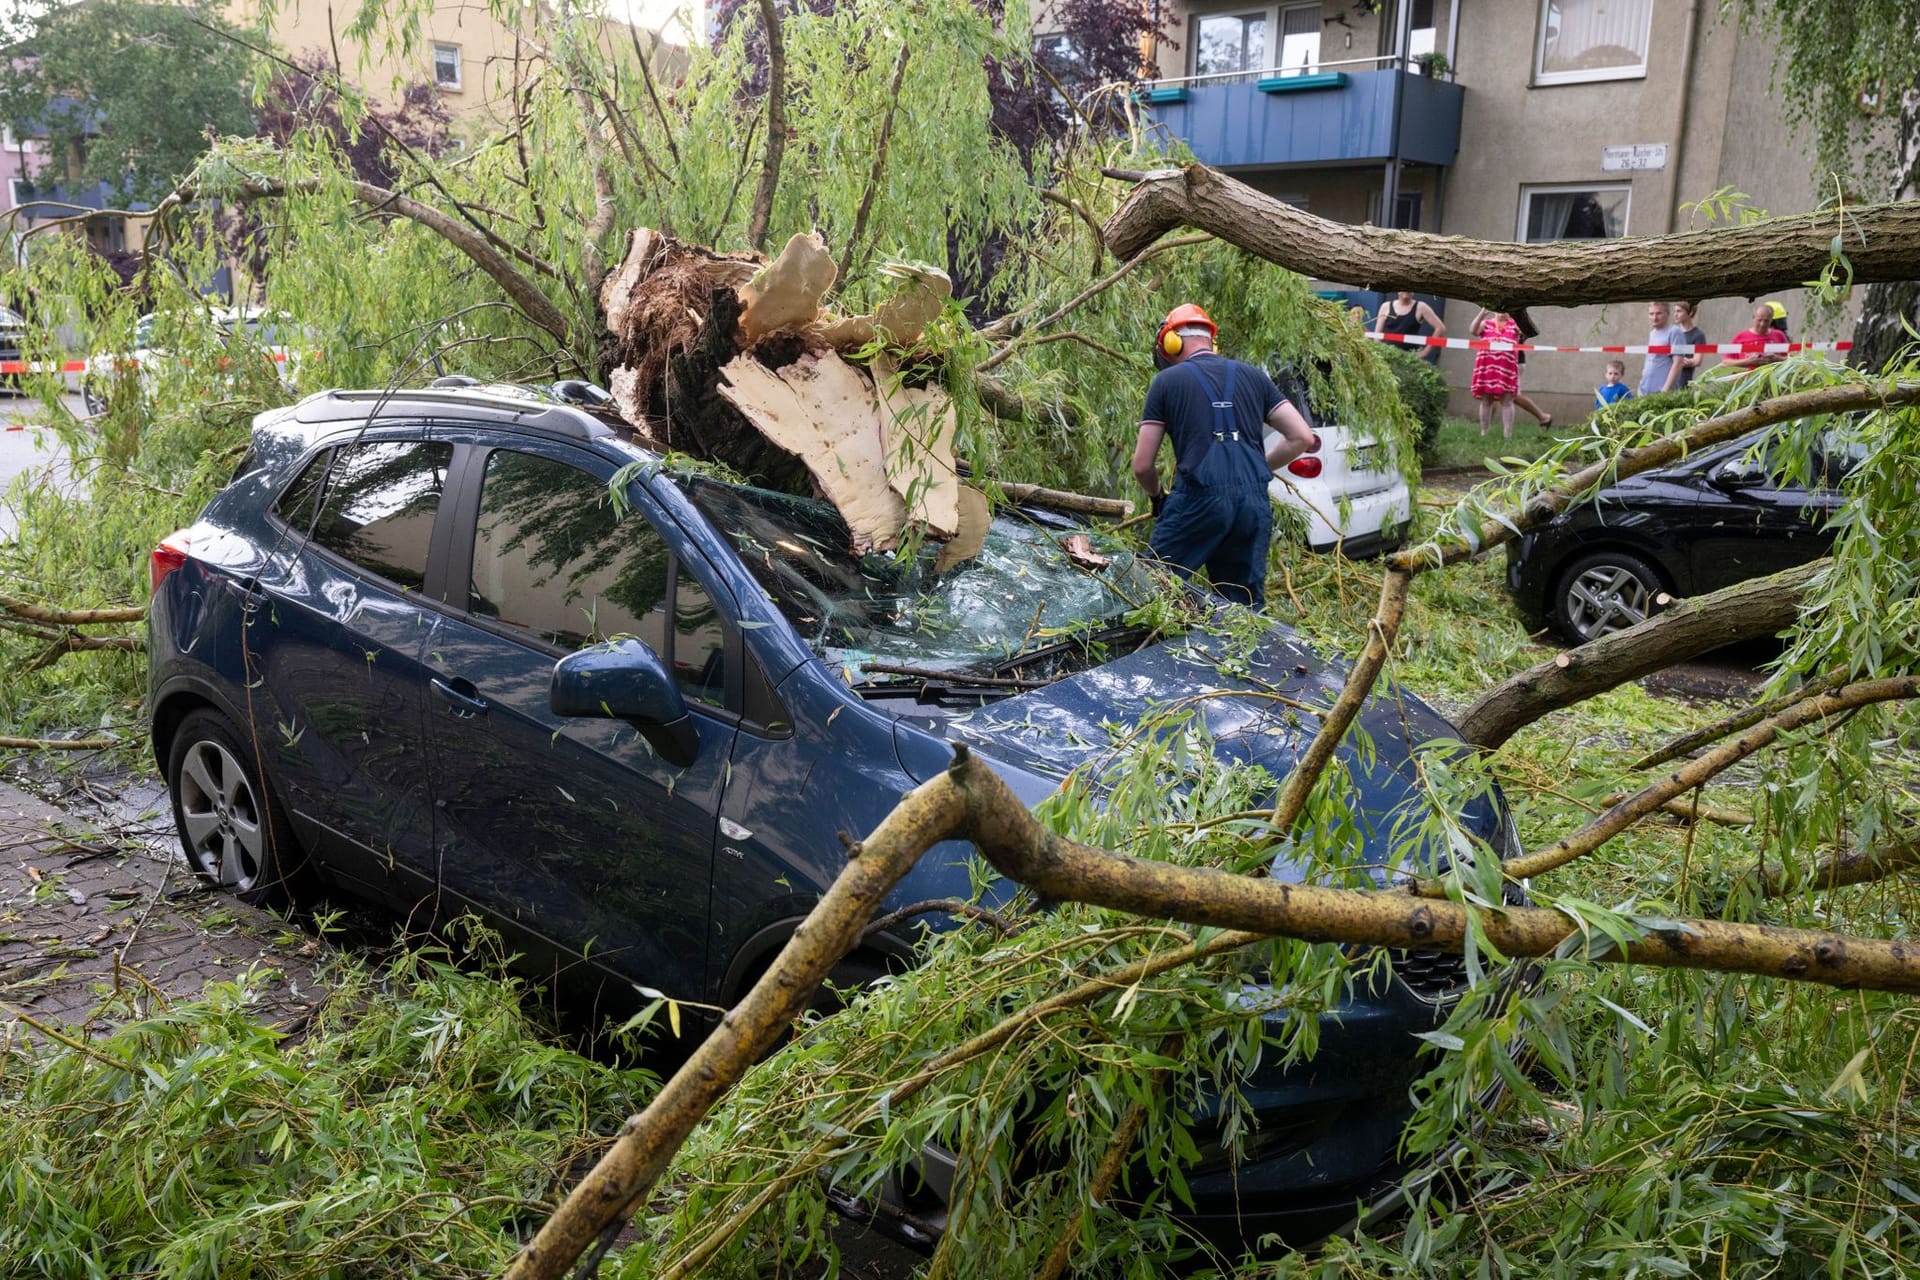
[(231, 826), (93, 398), (1604, 592)]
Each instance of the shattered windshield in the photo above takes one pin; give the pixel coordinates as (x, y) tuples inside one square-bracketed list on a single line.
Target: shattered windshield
[(1022, 592)]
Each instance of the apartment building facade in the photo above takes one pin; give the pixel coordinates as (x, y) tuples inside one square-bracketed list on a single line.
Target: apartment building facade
[(1522, 120)]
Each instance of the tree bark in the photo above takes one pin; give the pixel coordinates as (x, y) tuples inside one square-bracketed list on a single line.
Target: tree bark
[(1882, 242), (970, 802), (1744, 611)]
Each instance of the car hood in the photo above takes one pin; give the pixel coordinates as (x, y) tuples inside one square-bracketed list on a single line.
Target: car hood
[(1253, 706)]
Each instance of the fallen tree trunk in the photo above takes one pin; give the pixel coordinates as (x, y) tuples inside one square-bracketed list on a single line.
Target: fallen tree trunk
[(970, 802), (1746, 611), (1881, 242)]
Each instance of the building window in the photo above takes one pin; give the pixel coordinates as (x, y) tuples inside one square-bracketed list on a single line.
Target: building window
[(446, 66), (1573, 213), (1299, 40), (1584, 40), (13, 142), (1226, 43)]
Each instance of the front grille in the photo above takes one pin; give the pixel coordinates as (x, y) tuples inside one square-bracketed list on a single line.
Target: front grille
[(1435, 976)]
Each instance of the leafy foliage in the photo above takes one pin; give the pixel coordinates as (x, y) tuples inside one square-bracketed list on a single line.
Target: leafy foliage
[(132, 89), (196, 1142)]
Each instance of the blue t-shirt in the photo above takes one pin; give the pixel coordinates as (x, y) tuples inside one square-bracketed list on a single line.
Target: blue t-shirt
[(1182, 398), (1605, 395)]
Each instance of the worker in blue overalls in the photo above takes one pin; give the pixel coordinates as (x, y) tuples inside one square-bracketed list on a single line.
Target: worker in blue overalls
[(1218, 516)]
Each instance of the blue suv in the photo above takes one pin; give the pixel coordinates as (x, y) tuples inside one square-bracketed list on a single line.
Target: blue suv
[(477, 651)]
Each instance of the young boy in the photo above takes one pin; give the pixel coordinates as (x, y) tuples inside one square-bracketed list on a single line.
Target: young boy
[(1615, 388)]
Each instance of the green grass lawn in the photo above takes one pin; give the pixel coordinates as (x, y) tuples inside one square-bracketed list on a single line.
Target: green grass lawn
[(1460, 443)]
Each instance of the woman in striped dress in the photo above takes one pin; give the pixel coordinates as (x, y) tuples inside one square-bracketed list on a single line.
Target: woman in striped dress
[(1496, 374)]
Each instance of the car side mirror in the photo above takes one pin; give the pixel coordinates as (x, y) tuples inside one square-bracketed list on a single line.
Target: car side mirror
[(1735, 474), (625, 680)]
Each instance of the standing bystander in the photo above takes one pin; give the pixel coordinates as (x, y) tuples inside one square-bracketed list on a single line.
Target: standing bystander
[(1496, 374), (1684, 367), (1661, 332), (1750, 340)]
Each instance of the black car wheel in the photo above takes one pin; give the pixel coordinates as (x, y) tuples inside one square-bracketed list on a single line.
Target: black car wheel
[(94, 397), (1604, 592), (230, 826)]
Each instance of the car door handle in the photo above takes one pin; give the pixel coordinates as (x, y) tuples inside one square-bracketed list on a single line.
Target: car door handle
[(460, 695), (248, 589)]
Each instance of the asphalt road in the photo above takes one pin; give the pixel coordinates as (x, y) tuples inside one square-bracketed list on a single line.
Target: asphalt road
[(26, 445)]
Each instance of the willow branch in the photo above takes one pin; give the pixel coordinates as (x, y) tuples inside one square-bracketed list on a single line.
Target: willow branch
[(1688, 743), (57, 744), (970, 802), (1014, 327), (1882, 243), (762, 213), (68, 617), (653, 94), (73, 642), (1696, 772), (526, 295), (879, 168), (1838, 870), (1333, 725), (1544, 506)]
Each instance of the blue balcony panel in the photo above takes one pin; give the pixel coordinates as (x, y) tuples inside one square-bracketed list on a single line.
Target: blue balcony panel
[(1315, 122)]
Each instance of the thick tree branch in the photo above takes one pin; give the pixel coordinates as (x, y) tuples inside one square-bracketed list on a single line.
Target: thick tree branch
[(970, 802), (762, 214), (1745, 611), (1882, 243), (526, 295)]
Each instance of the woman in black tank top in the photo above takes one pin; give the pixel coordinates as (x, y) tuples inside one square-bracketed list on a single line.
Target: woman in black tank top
[(1405, 314)]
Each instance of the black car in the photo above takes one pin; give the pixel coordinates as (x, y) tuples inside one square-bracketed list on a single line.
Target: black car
[(1720, 517)]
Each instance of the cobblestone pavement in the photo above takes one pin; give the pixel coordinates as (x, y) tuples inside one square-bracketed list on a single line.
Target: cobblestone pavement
[(100, 919)]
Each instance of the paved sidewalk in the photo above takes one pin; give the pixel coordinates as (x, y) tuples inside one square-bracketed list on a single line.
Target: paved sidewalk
[(94, 908)]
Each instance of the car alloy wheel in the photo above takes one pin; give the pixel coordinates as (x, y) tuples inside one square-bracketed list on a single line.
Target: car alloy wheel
[(229, 827), (1604, 593)]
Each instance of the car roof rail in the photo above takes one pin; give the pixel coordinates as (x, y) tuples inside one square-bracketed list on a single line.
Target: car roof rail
[(472, 405)]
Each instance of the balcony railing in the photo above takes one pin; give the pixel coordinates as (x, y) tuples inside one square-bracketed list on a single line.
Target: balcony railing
[(1330, 112)]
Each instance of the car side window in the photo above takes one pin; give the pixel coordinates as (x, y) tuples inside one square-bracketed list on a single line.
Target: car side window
[(377, 504), (552, 558)]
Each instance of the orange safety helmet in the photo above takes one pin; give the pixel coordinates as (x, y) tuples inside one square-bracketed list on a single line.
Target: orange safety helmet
[(1168, 340)]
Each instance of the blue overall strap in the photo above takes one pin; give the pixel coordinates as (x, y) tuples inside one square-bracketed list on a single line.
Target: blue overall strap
[(1223, 428)]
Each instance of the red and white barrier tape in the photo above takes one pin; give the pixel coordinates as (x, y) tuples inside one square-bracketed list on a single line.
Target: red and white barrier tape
[(106, 365), (1654, 349)]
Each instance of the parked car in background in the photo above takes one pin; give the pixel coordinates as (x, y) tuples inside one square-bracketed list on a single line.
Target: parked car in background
[(13, 342), (413, 648), (1720, 517), (1346, 489), (245, 333)]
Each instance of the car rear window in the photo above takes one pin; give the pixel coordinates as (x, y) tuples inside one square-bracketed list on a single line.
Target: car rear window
[(377, 502)]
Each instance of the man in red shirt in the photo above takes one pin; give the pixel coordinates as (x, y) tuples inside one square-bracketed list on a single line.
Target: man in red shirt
[(1761, 332)]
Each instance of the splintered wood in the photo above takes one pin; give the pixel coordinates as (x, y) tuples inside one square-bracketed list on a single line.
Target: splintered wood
[(689, 323), (824, 411)]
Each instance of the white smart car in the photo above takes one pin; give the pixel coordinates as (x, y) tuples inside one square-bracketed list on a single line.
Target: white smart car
[(1347, 491)]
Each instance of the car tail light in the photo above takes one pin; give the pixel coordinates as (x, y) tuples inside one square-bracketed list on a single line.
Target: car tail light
[(168, 556), (1306, 468)]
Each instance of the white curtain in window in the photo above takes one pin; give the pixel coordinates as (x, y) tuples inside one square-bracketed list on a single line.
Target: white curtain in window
[(1300, 40), (1548, 214), (1595, 35)]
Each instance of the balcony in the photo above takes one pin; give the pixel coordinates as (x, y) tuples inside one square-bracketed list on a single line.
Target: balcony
[(1334, 116)]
